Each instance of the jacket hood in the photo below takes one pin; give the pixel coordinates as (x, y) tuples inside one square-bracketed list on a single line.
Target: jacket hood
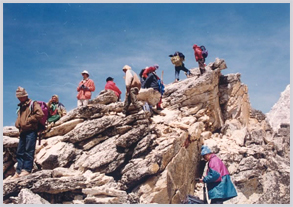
[(126, 67), (56, 97)]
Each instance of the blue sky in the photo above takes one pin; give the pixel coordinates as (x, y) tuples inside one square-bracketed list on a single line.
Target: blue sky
[(47, 46)]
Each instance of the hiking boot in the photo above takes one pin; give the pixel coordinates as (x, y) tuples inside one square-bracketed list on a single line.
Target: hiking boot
[(24, 173), (176, 81), (15, 176)]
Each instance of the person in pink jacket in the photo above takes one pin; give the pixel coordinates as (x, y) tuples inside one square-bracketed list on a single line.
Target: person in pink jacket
[(85, 89), (199, 58)]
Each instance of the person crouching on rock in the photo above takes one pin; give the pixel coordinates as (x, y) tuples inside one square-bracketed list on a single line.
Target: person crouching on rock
[(220, 187), (56, 109), (133, 86), (151, 81), (85, 89), (28, 117), (110, 85)]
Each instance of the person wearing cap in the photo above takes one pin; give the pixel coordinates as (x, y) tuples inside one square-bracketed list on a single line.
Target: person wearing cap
[(85, 89), (133, 86), (199, 58), (110, 85), (177, 60), (151, 81), (28, 116), (56, 109), (219, 184)]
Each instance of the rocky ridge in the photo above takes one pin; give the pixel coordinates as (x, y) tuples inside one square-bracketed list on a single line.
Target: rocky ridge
[(96, 155)]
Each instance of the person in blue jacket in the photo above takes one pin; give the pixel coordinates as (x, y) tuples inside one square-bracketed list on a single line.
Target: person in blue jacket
[(219, 184)]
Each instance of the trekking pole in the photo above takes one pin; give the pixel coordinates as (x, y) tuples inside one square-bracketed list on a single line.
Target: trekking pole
[(162, 76), (204, 194)]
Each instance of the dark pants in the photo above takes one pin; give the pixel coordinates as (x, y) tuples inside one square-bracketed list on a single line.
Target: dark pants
[(201, 65), (217, 201), (26, 151), (177, 70), (131, 98)]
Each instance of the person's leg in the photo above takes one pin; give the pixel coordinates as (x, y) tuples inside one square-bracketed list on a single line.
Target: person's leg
[(126, 103), (20, 153), (177, 71), (133, 93), (159, 104), (185, 69), (79, 103), (85, 102), (29, 153), (201, 66)]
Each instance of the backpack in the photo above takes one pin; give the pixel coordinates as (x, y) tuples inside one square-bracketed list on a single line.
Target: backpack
[(161, 85), (176, 60), (205, 52), (45, 110), (193, 200)]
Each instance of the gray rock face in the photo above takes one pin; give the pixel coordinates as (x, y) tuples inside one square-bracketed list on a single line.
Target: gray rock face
[(280, 112), (26, 196), (96, 155)]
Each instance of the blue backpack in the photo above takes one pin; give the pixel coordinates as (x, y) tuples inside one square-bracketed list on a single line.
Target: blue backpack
[(161, 86), (205, 52)]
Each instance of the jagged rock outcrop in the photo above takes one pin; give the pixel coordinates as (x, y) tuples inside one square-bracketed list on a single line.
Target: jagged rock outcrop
[(96, 155), (280, 112)]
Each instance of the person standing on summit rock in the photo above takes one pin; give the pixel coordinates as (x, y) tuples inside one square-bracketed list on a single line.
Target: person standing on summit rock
[(28, 116), (85, 89), (133, 85), (220, 187), (199, 58)]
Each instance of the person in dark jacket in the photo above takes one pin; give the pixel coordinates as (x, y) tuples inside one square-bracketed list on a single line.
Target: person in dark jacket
[(219, 184), (28, 116), (177, 60), (152, 82)]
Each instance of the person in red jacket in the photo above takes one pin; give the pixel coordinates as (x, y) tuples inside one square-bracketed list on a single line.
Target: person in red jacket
[(110, 85), (149, 70), (199, 58)]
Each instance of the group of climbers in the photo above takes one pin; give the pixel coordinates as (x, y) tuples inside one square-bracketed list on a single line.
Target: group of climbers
[(32, 113)]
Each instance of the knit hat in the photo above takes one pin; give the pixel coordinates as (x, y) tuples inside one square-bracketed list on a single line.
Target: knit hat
[(156, 66), (126, 67), (109, 79), (205, 150), (21, 92)]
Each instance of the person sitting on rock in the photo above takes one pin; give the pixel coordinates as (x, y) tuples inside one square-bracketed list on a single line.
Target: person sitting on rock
[(85, 89), (152, 82), (177, 60), (28, 116), (56, 109), (220, 187), (110, 85), (133, 86), (199, 58)]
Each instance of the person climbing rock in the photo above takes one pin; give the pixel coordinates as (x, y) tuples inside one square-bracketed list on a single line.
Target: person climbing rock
[(177, 60), (110, 85), (152, 81), (85, 89), (56, 109), (219, 184), (199, 58), (28, 116), (133, 86)]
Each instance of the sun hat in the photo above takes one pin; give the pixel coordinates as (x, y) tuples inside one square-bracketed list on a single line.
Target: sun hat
[(85, 72)]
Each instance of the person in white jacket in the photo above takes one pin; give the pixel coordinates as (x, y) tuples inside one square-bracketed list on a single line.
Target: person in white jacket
[(133, 85)]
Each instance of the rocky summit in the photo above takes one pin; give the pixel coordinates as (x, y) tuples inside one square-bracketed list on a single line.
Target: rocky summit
[(96, 155)]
